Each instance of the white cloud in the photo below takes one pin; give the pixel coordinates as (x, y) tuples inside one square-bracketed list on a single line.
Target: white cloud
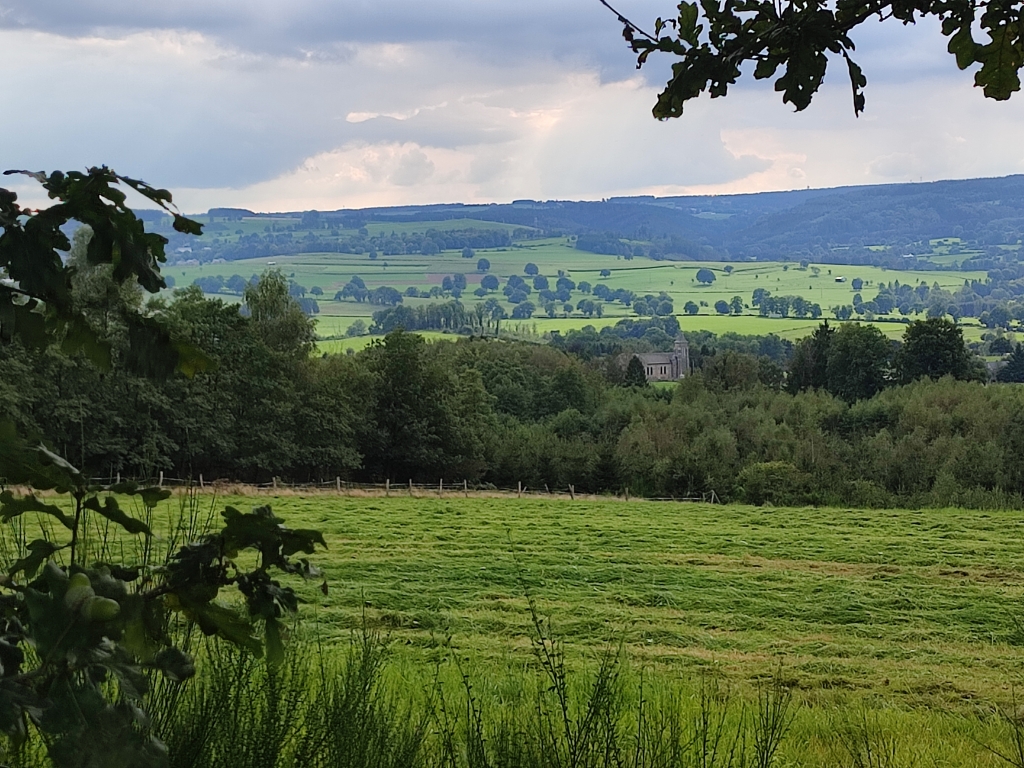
[(452, 106)]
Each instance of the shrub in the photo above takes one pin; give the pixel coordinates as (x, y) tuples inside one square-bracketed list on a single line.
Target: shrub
[(773, 482)]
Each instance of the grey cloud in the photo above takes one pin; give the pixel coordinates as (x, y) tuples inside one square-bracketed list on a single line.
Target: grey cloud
[(449, 127), (496, 30), (511, 31), (271, 84), (414, 167), (199, 119)]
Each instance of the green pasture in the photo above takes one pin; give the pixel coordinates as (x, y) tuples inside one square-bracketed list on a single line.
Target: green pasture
[(356, 343), (919, 605), (332, 271), (913, 614)]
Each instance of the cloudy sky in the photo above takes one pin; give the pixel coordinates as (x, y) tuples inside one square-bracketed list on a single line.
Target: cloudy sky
[(299, 104)]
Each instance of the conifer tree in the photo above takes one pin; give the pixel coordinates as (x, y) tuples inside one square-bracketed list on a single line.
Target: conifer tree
[(635, 375)]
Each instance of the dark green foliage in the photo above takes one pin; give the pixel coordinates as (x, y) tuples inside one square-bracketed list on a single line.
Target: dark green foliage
[(96, 629), (774, 482), (712, 44), (523, 310), (1013, 371), (1000, 346), (39, 307), (808, 368), (278, 318), (705, 276), (731, 370), (859, 359), (635, 375), (426, 419), (606, 243), (934, 348)]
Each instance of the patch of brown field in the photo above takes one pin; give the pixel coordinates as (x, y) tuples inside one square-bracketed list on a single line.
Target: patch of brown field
[(453, 491), (908, 682)]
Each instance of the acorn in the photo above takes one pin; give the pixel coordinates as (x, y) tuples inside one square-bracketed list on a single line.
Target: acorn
[(79, 590), (100, 608)]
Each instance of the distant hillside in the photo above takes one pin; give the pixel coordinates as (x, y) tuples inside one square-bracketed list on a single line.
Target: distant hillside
[(980, 220), (980, 212)]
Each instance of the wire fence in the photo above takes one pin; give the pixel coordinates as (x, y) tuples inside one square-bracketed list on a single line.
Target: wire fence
[(441, 489)]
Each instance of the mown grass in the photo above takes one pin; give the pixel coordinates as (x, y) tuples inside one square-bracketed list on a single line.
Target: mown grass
[(922, 606), (894, 630), (905, 622)]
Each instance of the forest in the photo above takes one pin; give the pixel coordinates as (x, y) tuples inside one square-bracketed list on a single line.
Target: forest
[(832, 419)]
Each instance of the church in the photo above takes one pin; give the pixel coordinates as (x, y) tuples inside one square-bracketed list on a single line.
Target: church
[(667, 366)]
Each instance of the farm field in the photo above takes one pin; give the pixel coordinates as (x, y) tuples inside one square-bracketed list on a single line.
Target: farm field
[(909, 613), (356, 343), (844, 598), (330, 272), (786, 328)]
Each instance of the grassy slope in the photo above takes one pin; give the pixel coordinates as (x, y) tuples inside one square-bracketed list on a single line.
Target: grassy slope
[(904, 620), (906, 614), (332, 271), (917, 605)]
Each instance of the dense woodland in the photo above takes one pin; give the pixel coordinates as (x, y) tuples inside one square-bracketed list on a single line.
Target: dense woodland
[(844, 416)]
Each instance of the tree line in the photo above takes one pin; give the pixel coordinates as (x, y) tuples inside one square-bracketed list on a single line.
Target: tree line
[(844, 417), (326, 236)]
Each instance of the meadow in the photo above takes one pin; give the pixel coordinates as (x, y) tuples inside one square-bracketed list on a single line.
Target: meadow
[(909, 620), (330, 272)]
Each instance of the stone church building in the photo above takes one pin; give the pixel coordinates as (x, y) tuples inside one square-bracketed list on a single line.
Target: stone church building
[(667, 366)]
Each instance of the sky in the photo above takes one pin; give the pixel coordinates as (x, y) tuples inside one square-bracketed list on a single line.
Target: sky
[(293, 105)]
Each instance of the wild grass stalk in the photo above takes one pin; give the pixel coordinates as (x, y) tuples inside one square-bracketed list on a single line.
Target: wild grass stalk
[(1011, 751), (860, 741)]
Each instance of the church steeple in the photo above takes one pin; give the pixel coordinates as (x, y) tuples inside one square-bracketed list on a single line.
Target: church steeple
[(681, 357)]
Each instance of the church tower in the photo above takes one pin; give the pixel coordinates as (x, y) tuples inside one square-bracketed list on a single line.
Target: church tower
[(681, 357)]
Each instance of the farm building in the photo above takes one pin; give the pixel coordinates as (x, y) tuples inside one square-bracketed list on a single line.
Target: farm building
[(666, 366)]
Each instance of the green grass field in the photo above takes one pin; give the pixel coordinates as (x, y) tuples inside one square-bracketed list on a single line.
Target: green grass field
[(906, 621), (330, 272), (918, 605), (913, 614)]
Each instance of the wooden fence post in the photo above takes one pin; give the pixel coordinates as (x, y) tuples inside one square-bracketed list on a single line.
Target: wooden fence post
[(410, 486), (337, 483), (118, 477), (627, 493), (387, 486), (201, 485), (440, 488), (465, 488), (161, 483), (519, 488), (572, 491)]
